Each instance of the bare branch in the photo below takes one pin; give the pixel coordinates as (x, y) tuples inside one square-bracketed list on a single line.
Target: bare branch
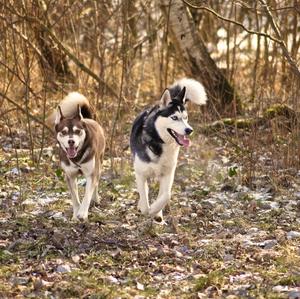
[(14, 73), (64, 48), (23, 36), (36, 119), (282, 44), (274, 39)]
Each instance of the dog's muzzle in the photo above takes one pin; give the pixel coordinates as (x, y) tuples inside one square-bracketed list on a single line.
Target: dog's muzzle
[(182, 140), (71, 150)]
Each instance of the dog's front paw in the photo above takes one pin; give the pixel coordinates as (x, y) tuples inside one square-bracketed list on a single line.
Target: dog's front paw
[(74, 218), (75, 212), (143, 208), (82, 215), (158, 218)]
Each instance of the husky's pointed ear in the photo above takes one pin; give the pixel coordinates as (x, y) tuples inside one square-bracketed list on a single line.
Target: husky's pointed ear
[(79, 114), (165, 98), (182, 96), (59, 115)]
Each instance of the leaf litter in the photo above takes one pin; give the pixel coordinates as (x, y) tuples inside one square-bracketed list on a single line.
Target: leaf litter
[(222, 237)]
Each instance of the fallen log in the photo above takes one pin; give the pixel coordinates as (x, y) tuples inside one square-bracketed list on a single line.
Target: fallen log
[(290, 116)]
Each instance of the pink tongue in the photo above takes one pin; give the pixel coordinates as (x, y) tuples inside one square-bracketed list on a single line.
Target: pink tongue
[(184, 140), (71, 151)]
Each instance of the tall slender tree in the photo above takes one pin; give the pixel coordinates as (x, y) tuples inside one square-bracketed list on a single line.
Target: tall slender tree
[(195, 57)]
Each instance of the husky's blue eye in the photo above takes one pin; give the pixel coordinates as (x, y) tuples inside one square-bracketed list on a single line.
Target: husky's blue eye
[(174, 117)]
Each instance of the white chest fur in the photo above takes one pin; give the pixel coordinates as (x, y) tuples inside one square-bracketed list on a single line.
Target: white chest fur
[(86, 168), (162, 165)]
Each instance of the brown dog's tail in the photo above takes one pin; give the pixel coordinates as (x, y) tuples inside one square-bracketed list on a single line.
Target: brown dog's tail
[(69, 108)]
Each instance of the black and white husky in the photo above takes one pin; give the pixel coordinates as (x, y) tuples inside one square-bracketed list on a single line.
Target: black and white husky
[(156, 137)]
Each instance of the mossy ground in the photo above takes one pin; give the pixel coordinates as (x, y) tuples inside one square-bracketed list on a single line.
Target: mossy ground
[(211, 246)]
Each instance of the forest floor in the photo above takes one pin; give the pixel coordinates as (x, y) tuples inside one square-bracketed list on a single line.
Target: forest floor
[(222, 237)]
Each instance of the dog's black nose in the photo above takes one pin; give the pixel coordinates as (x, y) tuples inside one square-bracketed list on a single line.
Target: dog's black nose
[(71, 142), (188, 131)]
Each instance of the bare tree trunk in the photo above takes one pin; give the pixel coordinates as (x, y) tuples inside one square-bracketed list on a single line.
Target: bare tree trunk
[(53, 61), (195, 57)]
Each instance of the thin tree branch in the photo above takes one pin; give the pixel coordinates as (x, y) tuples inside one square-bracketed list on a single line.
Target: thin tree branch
[(278, 39), (63, 48), (274, 39), (282, 44), (24, 37), (36, 119), (19, 78)]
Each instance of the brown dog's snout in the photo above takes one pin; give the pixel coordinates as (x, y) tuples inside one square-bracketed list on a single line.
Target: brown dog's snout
[(71, 142)]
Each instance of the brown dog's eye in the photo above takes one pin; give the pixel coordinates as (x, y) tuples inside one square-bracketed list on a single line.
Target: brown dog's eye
[(77, 132), (64, 133)]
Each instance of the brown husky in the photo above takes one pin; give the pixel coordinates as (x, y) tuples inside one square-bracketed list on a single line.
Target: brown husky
[(82, 143)]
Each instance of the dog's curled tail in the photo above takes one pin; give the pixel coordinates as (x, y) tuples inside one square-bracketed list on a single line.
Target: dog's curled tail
[(195, 91), (69, 108)]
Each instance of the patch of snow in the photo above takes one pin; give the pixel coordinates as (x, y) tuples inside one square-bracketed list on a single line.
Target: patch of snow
[(63, 268), (40, 200), (280, 288), (244, 277), (113, 279), (293, 235)]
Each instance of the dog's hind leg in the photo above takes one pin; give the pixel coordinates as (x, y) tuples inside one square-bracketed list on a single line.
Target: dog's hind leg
[(164, 195), (91, 184), (72, 184), (142, 188), (95, 196)]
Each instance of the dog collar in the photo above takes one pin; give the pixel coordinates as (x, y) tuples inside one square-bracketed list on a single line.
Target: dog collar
[(78, 165)]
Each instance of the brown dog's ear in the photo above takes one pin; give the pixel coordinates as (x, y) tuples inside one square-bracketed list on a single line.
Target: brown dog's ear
[(79, 114), (165, 98), (59, 115)]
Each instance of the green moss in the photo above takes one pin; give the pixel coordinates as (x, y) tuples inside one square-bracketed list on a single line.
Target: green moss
[(245, 197), (228, 121), (102, 259), (235, 223), (100, 295), (214, 278), (291, 280), (202, 283), (6, 273), (96, 217), (70, 292), (276, 212), (22, 222), (6, 257), (240, 123), (275, 110), (201, 193)]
